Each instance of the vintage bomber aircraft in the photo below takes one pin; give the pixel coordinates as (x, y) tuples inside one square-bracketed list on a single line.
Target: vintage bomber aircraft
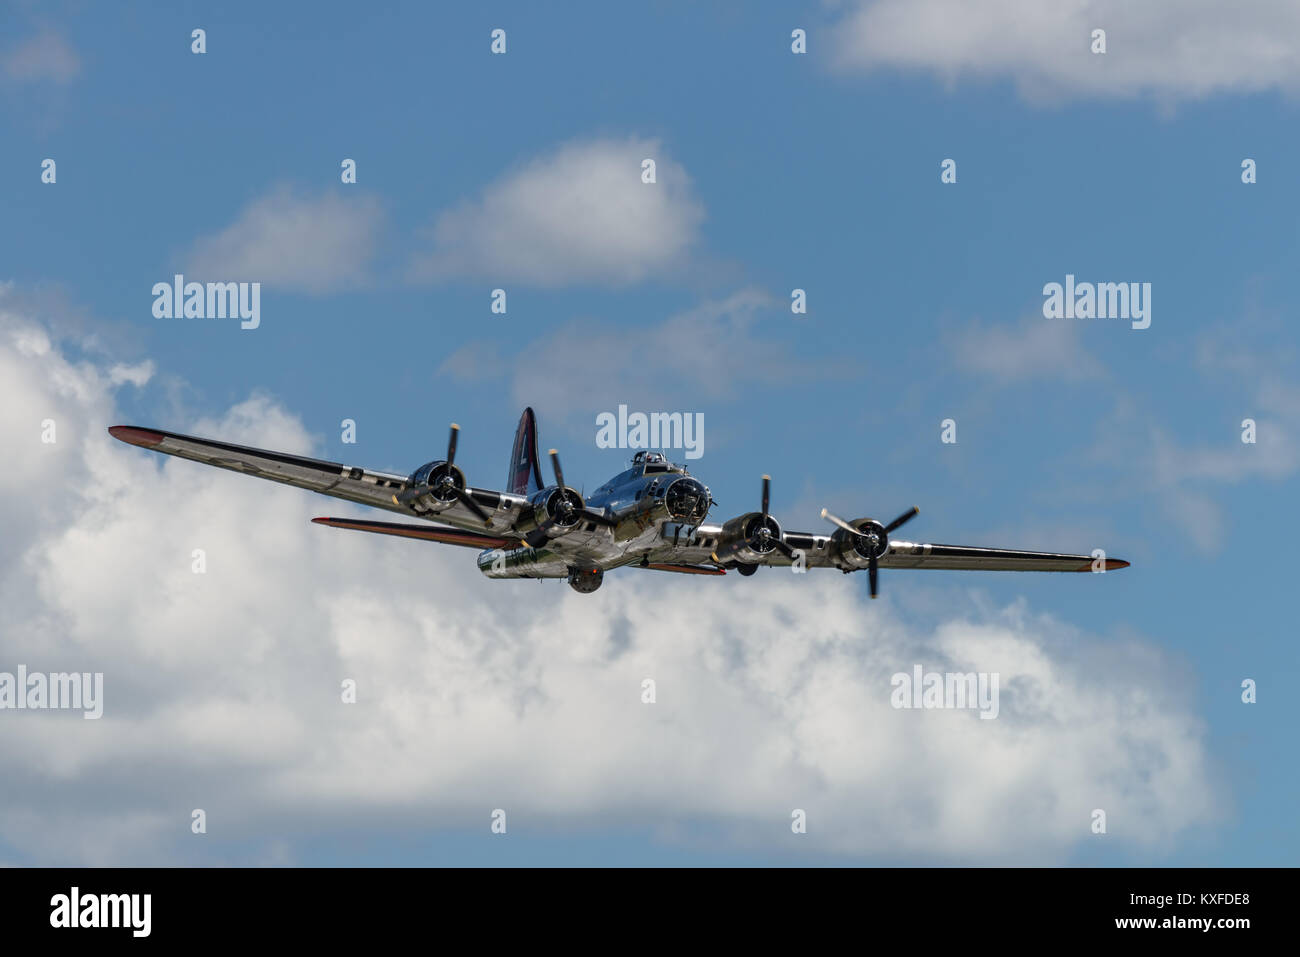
[(649, 516)]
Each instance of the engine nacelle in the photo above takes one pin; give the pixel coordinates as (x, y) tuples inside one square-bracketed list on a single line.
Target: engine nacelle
[(855, 551), (559, 508), (748, 539), (436, 484)]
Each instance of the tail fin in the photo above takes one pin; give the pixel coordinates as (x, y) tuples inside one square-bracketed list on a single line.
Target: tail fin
[(525, 468)]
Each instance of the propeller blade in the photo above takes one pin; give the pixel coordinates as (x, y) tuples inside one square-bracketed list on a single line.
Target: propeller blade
[(836, 520), (467, 500), (451, 443), (783, 548), (767, 492), (873, 576), (555, 464), (903, 519)]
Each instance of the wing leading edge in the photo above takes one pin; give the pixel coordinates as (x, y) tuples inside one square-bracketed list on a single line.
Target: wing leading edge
[(429, 533), (358, 485), (362, 486)]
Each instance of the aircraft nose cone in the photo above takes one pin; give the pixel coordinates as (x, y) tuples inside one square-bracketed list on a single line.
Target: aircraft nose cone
[(687, 500)]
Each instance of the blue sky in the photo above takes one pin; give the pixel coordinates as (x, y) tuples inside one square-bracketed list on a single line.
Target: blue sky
[(780, 171)]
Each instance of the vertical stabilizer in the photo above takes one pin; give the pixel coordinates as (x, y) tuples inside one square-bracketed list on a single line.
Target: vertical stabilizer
[(525, 469)]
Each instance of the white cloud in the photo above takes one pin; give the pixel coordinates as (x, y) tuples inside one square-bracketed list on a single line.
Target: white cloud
[(1253, 362), (1186, 479), (222, 690), (1035, 348), (579, 214), (1195, 514), (138, 374), (1274, 455), (43, 57), (712, 353), (314, 244), (1170, 49), (1255, 356)]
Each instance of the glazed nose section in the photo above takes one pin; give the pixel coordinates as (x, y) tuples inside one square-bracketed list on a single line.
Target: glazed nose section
[(687, 500)]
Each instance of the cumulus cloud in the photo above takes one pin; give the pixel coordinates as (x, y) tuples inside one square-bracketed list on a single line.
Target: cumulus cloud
[(578, 214), (1170, 49), (315, 244), (222, 690), (45, 57)]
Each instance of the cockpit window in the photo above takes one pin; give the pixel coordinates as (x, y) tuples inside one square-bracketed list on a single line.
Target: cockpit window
[(648, 463)]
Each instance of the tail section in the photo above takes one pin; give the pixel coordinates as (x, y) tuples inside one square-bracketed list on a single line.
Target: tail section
[(525, 468)]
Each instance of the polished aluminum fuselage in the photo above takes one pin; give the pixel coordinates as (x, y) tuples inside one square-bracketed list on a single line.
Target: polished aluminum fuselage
[(645, 534)]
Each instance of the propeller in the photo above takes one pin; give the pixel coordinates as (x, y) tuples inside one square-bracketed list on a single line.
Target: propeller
[(903, 519), (465, 498), (555, 466), (566, 509), (764, 533), (836, 520), (451, 443), (878, 541), (446, 484)]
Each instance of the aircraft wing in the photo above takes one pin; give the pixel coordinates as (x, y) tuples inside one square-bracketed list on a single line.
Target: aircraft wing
[(429, 533), (681, 545), (975, 558), (948, 557), (353, 484)]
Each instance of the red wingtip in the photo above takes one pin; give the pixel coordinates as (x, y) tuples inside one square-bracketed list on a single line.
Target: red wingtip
[(145, 438), (1111, 565)]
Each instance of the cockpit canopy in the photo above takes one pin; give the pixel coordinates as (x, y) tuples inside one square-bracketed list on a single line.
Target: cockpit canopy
[(647, 463)]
